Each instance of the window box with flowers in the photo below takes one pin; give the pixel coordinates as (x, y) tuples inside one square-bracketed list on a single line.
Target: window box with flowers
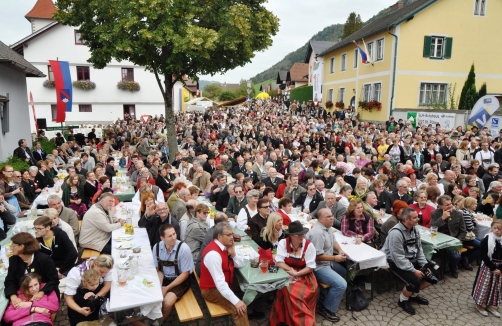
[(329, 104), (84, 85), (49, 84), (340, 105), (128, 85), (370, 105)]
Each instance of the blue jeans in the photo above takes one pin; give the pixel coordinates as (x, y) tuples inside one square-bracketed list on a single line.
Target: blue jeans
[(334, 277), (454, 259), (475, 253)]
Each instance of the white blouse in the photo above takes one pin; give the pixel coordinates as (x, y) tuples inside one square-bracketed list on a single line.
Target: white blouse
[(310, 254)]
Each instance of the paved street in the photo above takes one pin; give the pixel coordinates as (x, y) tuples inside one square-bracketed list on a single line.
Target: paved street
[(450, 304)]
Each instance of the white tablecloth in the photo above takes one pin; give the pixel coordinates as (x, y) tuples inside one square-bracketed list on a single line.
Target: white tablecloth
[(135, 212), (42, 198), (364, 255), (135, 293)]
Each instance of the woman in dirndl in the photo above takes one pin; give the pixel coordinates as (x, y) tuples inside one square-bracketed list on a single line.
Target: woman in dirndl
[(296, 304), (486, 289)]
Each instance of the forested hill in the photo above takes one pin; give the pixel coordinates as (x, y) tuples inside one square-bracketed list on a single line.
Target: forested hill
[(330, 33)]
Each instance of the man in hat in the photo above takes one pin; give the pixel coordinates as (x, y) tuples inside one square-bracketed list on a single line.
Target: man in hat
[(209, 164)]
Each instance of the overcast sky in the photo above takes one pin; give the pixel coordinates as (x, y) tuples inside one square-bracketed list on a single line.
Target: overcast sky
[(299, 21)]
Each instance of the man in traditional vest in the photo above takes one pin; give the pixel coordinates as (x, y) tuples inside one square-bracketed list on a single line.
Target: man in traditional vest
[(217, 271)]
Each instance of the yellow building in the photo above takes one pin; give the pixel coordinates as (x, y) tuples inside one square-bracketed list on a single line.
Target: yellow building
[(420, 53)]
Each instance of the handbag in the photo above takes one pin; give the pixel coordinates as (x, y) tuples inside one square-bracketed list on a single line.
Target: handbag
[(357, 301), (469, 236)]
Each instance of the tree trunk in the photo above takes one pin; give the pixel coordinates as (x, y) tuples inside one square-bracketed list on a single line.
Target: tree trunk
[(170, 118)]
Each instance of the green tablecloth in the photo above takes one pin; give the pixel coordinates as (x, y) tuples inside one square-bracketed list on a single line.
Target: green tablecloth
[(442, 241), (252, 281), (125, 196)]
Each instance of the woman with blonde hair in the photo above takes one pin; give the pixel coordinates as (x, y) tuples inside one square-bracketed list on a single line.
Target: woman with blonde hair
[(272, 233), (463, 153), (432, 180)]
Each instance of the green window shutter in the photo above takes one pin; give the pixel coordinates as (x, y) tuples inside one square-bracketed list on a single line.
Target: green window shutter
[(427, 46), (447, 47)]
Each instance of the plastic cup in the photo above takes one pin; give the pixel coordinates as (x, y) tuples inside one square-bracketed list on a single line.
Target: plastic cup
[(434, 231), (264, 265)]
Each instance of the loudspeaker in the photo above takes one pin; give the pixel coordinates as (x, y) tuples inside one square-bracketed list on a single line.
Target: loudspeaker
[(42, 123)]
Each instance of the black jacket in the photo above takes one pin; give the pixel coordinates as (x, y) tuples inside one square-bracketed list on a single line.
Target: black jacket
[(251, 175), (313, 204), (20, 153), (238, 169), (268, 182), (39, 156), (427, 156), (447, 153), (90, 190), (162, 183), (153, 223), (401, 154), (41, 180), (110, 173), (29, 190), (222, 199), (62, 251), (76, 317), (393, 197), (42, 265)]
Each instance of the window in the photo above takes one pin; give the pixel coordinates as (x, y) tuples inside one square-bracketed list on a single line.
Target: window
[(370, 51), (377, 90), (476, 7), (84, 108), (438, 47), (379, 50), (54, 111), (341, 95), (83, 73), (130, 109), (50, 74), (343, 61), (5, 114), (128, 74), (78, 38), (331, 65), (482, 8), (372, 92), (432, 94), (330, 94), (356, 57)]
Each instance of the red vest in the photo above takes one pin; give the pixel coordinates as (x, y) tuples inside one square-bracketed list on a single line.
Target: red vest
[(206, 280)]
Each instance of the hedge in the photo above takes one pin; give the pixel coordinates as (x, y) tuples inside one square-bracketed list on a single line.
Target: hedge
[(302, 94)]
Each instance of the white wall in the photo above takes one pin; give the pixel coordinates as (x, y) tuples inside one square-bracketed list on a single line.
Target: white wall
[(37, 24), (106, 99), (14, 83)]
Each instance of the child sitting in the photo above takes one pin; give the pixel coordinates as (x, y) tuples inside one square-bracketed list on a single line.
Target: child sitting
[(86, 299)]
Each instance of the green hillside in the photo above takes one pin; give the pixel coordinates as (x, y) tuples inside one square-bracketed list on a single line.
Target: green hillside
[(330, 33)]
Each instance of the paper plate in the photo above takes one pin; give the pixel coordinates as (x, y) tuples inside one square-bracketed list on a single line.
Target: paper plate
[(124, 245)]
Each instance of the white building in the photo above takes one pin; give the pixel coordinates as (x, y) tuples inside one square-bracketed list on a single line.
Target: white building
[(14, 100), (52, 41)]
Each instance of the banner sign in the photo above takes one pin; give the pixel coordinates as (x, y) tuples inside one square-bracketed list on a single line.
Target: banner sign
[(62, 79), (33, 109), (482, 111), (317, 80), (446, 120)]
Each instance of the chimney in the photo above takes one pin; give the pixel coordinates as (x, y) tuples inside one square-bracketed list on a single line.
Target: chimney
[(396, 6)]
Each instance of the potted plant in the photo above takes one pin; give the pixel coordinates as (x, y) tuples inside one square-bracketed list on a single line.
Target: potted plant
[(84, 84), (128, 85), (370, 105), (340, 105), (49, 84), (329, 104)]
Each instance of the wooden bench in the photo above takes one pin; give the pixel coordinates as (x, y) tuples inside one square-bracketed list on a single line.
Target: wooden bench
[(187, 308), (214, 309), (324, 286), (88, 253)]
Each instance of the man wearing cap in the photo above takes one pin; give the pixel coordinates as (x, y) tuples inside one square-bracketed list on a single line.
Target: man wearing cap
[(328, 269)]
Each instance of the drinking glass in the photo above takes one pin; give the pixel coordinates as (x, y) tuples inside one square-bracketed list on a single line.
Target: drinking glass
[(122, 276), (434, 231), (264, 265)]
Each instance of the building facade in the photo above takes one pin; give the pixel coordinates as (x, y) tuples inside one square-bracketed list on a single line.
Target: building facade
[(421, 57), (53, 41)]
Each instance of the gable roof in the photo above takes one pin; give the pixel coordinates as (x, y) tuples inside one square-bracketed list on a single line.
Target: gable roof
[(18, 46), (283, 76), (384, 23), (299, 72), (10, 58), (317, 47), (43, 9)]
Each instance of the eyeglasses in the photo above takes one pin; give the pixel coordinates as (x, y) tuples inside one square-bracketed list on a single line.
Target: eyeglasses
[(14, 245), (39, 229), (265, 207), (205, 213), (10, 171), (228, 234)]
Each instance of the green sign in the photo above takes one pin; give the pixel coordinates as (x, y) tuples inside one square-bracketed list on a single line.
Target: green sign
[(412, 118), (61, 128)]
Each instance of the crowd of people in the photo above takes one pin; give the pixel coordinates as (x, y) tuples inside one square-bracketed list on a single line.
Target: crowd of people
[(255, 165)]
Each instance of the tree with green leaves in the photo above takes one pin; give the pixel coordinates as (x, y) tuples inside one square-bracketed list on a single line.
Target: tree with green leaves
[(482, 91), (227, 96), (352, 25), (469, 95), (171, 38), (212, 91)]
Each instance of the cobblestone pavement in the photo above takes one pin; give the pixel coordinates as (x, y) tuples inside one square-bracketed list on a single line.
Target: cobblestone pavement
[(449, 304)]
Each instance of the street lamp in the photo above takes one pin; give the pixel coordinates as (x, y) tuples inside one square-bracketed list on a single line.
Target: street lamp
[(249, 88)]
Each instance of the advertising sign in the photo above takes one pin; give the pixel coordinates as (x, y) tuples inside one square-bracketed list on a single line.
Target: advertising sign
[(317, 80)]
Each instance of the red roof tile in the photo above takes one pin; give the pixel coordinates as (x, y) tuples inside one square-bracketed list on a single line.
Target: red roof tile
[(298, 71), (42, 9)]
